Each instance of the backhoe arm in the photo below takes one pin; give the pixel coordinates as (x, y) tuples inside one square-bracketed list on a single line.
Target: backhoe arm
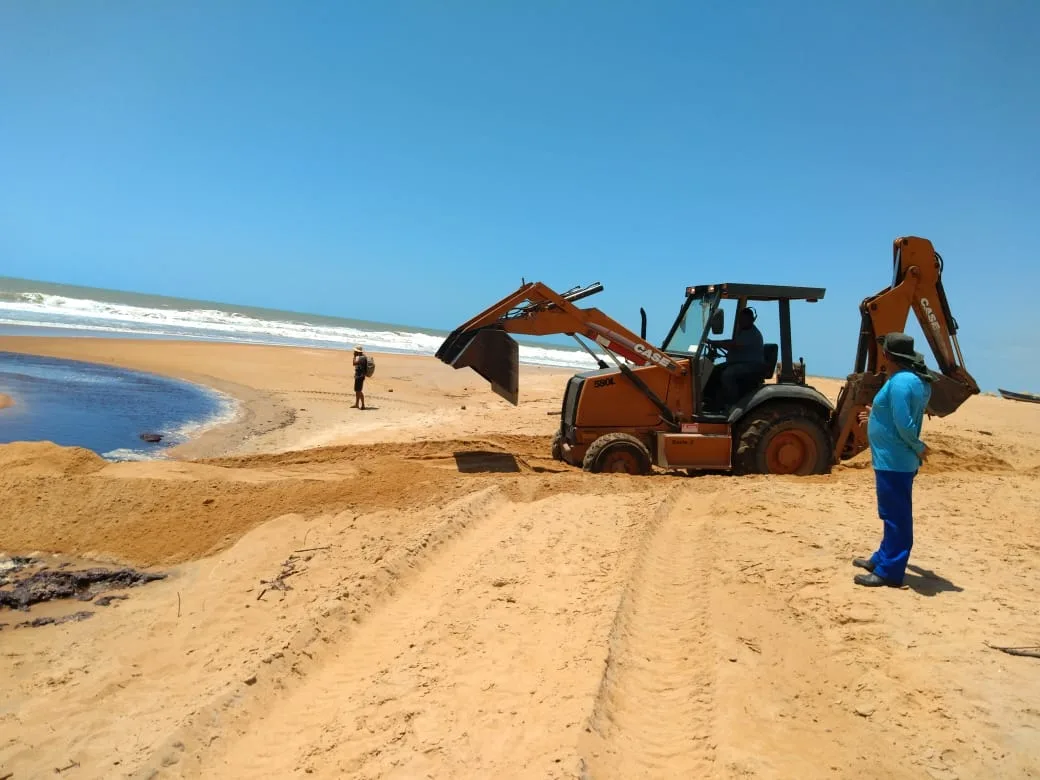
[(483, 343), (916, 287)]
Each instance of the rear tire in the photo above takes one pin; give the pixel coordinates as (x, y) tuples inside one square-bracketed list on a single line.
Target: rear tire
[(556, 448), (619, 453), (782, 438)]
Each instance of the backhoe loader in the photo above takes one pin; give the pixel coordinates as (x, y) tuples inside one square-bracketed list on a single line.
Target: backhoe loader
[(661, 406)]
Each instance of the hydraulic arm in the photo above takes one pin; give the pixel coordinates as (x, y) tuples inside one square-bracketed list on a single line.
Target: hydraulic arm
[(483, 343), (916, 287)]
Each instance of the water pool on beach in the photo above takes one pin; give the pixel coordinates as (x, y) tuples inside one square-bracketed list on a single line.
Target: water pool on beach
[(100, 408)]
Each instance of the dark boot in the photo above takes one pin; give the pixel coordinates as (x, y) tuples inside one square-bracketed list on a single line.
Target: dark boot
[(873, 581), (863, 563)]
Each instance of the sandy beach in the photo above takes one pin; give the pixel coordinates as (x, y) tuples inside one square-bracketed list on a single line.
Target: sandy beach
[(419, 590)]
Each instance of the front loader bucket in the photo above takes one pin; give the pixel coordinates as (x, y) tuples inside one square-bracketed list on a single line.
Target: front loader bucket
[(491, 352)]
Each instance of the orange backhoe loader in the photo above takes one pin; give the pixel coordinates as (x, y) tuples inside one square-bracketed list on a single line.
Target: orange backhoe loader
[(664, 406)]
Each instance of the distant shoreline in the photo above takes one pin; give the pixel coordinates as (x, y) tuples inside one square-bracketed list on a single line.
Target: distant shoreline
[(46, 332)]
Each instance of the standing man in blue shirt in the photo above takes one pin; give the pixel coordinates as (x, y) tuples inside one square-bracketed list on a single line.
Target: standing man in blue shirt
[(894, 430)]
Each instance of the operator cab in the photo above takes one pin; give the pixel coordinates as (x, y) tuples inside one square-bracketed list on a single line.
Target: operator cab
[(703, 315)]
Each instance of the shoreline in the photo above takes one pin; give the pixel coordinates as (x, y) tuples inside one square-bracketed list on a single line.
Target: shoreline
[(287, 397)]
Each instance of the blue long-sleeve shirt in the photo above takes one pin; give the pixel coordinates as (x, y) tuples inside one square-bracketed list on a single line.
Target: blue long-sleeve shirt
[(894, 428)]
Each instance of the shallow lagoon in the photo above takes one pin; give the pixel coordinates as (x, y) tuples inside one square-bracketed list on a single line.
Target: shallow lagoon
[(100, 408)]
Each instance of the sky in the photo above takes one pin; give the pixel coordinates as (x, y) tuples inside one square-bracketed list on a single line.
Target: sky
[(411, 162)]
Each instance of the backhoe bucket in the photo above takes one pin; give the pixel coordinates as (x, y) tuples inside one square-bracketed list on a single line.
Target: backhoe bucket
[(947, 395), (491, 352)]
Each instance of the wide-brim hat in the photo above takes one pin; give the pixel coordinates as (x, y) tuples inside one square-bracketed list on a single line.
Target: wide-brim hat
[(358, 348), (901, 347)]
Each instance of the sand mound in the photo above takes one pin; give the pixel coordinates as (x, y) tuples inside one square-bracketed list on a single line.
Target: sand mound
[(521, 446), (970, 452), (44, 459), (69, 501), (960, 453), (149, 521)]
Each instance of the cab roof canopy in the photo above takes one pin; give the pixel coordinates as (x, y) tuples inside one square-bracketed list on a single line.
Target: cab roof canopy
[(758, 292)]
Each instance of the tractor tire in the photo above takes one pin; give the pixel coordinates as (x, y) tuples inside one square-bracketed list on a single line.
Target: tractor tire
[(617, 453), (556, 448), (782, 438)]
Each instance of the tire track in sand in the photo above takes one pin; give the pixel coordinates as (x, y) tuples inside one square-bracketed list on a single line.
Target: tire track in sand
[(654, 714), (229, 716), (452, 676)]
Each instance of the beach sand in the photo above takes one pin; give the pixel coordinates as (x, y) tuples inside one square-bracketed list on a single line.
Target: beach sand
[(454, 603)]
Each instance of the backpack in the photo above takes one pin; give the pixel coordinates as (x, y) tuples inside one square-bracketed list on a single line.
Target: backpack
[(370, 366)]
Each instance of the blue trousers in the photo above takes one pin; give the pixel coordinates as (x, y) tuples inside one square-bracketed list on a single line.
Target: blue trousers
[(895, 508)]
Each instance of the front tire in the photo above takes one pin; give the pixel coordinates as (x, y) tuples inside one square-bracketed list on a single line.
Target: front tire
[(556, 448), (618, 453), (782, 438)]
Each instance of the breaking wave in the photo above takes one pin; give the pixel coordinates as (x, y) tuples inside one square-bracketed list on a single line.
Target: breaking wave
[(46, 310)]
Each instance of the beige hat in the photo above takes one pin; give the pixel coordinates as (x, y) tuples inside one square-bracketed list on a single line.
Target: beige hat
[(358, 348)]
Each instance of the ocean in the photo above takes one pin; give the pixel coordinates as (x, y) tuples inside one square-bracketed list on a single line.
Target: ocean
[(28, 307)]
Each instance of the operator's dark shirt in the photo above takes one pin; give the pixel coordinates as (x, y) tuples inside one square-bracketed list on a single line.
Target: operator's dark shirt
[(748, 347), (360, 367)]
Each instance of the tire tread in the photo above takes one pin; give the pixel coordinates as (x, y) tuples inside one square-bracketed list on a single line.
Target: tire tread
[(752, 430), (604, 442)]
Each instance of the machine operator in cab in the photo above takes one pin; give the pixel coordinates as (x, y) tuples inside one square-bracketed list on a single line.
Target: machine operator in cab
[(745, 356)]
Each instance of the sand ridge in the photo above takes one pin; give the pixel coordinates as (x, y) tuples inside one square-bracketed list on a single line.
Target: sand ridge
[(460, 605)]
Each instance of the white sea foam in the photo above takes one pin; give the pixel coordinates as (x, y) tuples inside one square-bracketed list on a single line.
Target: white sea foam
[(124, 454), (36, 309), (227, 411)]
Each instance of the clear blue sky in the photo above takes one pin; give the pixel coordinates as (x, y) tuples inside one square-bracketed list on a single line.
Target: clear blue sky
[(409, 162)]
